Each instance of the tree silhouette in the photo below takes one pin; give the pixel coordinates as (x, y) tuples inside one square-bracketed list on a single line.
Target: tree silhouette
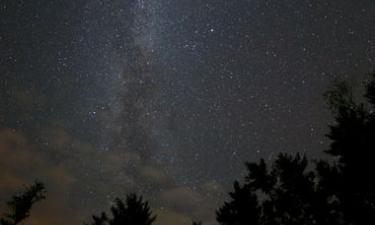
[(278, 196), (20, 205), (197, 223), (353, 143), (242, 209), (134, 211), (341, 191)]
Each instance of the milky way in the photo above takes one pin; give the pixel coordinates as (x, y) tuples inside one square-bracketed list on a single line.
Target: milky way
[(166, 98)]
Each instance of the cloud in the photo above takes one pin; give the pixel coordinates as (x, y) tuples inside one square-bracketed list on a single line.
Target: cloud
[(172, 217), (71, 167), (212, 188), (61, 176), (21, 163), (10, 182), (185, 204), (19, 159), (54, 210), (15, 160), (154, 175), (181, 198)]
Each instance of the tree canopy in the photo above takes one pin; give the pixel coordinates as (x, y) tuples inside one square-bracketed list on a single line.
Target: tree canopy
[(20, 205), (134, 211), (287, 192)]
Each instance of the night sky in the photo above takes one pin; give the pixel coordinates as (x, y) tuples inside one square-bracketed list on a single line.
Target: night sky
[(167, 98)]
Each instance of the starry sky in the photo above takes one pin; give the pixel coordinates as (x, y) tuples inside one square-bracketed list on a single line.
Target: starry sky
[(166, 98)]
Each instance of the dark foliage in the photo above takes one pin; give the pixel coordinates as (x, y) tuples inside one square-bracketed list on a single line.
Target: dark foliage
[(20, 205), (133, 212), (330, 193), (243, 209), (197, 223)]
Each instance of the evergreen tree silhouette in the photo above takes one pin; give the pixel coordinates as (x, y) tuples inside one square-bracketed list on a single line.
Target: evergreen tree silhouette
[(197, 223), (20, 205), (242, 209), (134, 211), (278, 196), (330, 193), (353, 143)]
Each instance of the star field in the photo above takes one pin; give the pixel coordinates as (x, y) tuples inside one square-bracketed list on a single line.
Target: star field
[(166, 98)]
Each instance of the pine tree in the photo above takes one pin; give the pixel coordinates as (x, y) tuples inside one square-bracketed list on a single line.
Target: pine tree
[(242, 209), (340, 191), (353, 143), (134, 211), (20, 205)]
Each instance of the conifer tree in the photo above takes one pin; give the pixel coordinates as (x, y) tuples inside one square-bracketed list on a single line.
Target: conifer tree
[(335, 192), (20, 205), (134, 211)]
